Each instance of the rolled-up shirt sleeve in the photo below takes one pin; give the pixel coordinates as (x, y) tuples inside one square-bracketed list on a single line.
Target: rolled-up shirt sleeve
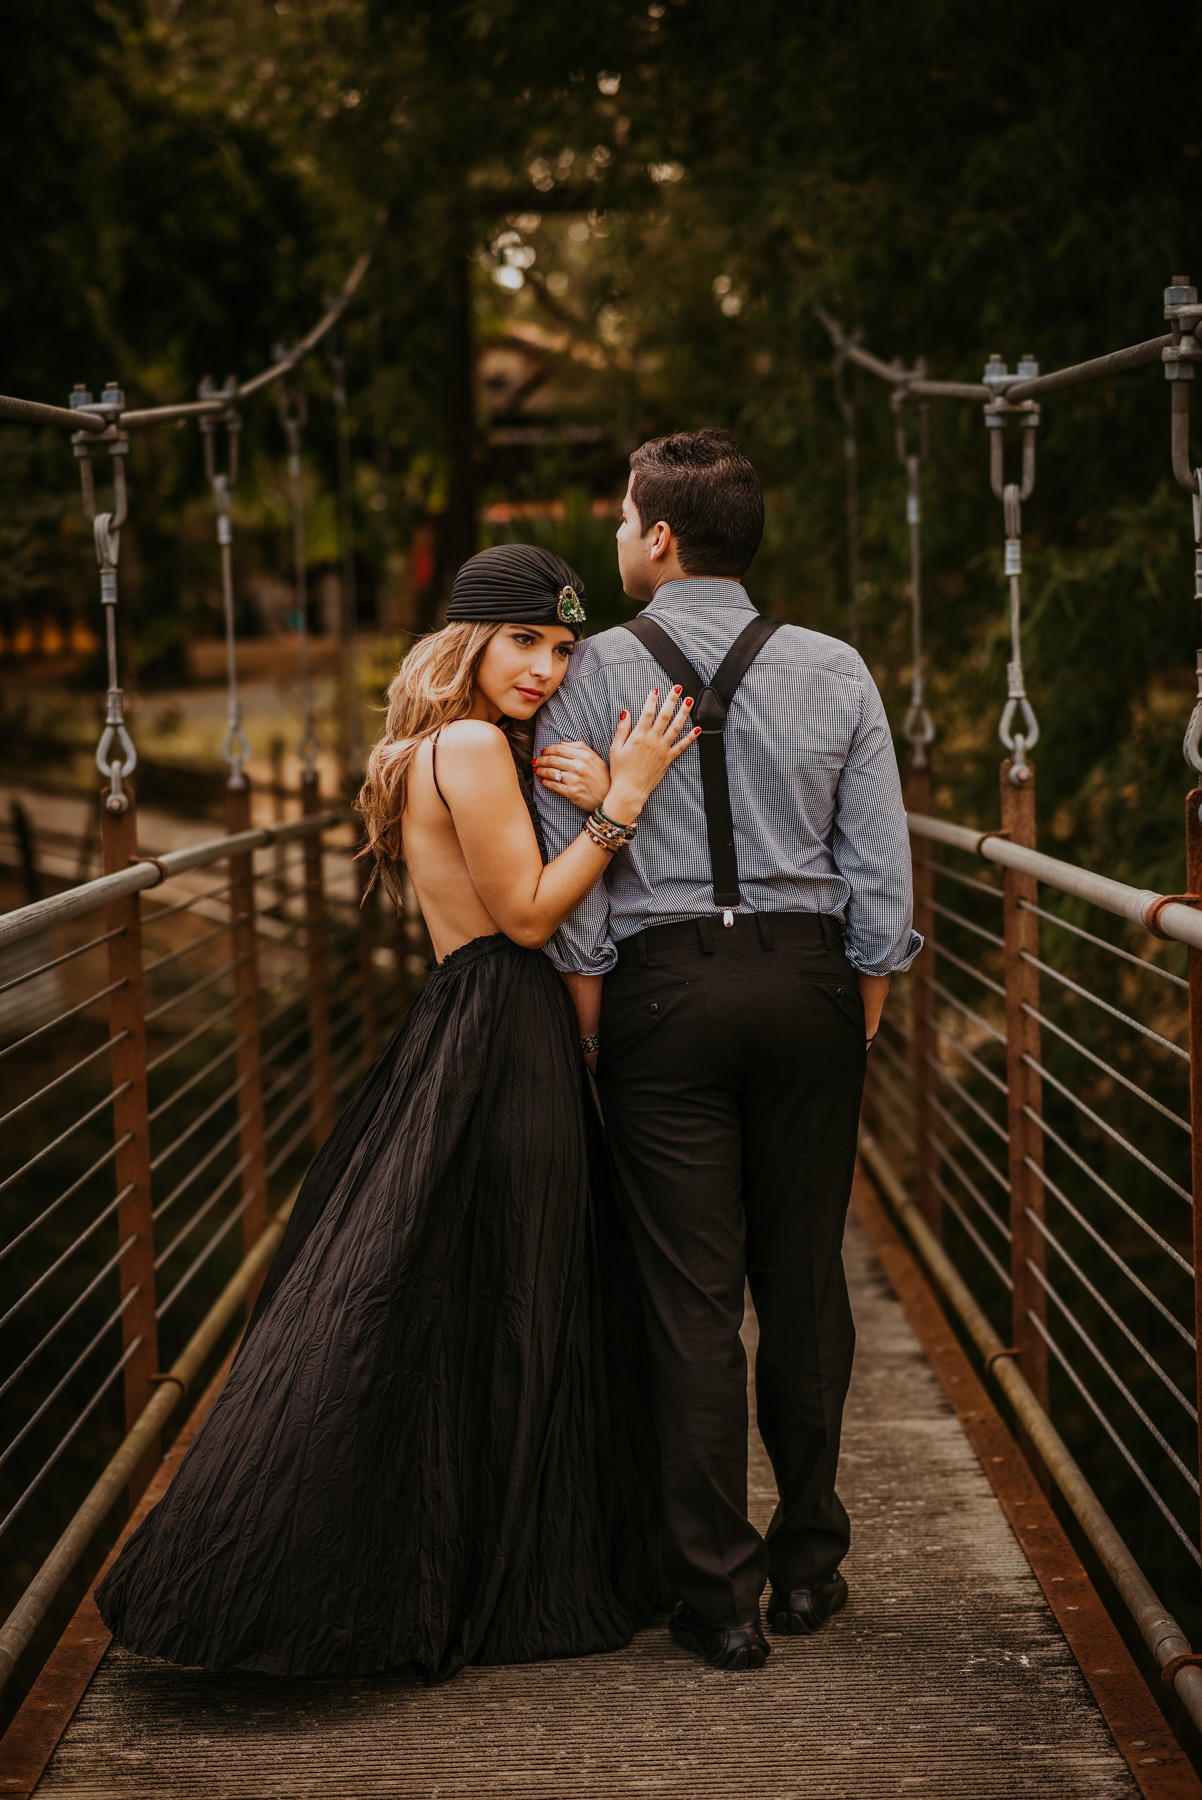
[(583, 945), (871, 847)]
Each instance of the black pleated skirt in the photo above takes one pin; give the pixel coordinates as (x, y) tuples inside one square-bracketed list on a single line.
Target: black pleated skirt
[(433, 1445)]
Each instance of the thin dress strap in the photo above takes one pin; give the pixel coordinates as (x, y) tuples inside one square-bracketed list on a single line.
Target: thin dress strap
[(434, 765)]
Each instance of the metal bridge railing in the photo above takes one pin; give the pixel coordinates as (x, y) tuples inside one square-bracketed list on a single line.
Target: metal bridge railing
[(176, 1038), (1029, 1108)]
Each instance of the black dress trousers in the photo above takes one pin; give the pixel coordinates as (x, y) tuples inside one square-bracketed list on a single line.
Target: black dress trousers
[(731, 1072)]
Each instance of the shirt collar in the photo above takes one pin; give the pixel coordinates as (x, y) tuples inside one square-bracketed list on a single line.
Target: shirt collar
[(695, 591)]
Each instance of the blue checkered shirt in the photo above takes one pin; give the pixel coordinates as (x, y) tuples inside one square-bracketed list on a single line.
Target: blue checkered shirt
[(814, 788)]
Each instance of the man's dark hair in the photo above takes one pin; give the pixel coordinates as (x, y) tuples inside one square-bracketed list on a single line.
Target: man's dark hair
[(702, 486)]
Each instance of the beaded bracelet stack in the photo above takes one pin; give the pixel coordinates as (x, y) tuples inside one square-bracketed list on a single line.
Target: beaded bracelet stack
[(607, 833)]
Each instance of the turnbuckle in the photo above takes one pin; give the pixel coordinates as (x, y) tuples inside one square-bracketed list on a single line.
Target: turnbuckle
[(235, 746)]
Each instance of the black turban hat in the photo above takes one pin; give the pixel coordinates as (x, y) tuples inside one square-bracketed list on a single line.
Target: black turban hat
[(517, 584)]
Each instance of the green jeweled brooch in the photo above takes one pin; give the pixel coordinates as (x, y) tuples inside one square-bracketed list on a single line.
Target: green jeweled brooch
[(570, 608)]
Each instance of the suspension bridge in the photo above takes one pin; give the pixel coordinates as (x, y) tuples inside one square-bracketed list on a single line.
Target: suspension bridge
[(1021, 1457)]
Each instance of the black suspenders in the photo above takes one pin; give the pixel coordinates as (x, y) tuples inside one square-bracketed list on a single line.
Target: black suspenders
[(713, 702)]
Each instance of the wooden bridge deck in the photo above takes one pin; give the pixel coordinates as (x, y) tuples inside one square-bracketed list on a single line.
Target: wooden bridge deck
[(947, 1675)]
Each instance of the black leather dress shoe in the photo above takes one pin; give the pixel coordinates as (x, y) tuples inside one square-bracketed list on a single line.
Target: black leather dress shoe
[(807, 1609), (725, 1646)]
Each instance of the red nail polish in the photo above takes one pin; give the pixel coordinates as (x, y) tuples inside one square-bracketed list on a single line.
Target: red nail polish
[(688, 703), (621, 715), (696, 731), (655, 691), (677, 690)]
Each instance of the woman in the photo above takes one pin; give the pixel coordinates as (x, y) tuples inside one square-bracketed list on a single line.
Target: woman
[(430, 1447)]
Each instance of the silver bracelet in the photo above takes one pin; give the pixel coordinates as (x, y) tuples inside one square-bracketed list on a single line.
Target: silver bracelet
[(588, 1045)]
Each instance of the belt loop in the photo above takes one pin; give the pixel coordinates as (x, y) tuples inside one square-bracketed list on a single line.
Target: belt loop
[(703, 933), (640, 939), (828, 936), (763, 925)]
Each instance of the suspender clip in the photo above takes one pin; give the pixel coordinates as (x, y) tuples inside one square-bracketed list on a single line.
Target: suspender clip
[(728, 918)]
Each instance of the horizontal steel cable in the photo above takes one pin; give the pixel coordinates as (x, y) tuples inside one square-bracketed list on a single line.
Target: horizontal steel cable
[(66, 1377), (1115, 1318), (892, 1056), (884, 1080), (80, 1420), (946, 912), (893, 1022), (198, 1168), (1118, 1381), (298, 1098), (949, 1118), (1111, 1193), (42, 1092), (198, 987), (1108, 1069), (207, 1024), (202, 1118), (289, 1074), (962, 1093), (1105, 1006), (348, 1028), (293, 1000), (990, 1213), (57, 961), (186, 1087), (954, 1000), (957, 1211), (968, 969), (106, 1156), (281, 1156), (1141, 962), (74, 1307), (69, 1252), (195, 1267), (179, 906), (968, 881), (272, 1056), (174, 956), (44, 1152), (1112, 1434), (1118, 1137), (902, 1131), (206, 1206), (53, 1024), (962, 1049), (1120, 1263)]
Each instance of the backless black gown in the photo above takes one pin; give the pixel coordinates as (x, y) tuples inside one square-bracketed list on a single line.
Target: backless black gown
[(432, 1446)]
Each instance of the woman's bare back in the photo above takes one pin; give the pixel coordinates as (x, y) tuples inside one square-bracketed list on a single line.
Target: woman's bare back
[(452, 908)]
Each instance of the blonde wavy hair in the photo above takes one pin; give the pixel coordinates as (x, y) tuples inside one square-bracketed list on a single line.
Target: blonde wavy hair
[(434, 685)]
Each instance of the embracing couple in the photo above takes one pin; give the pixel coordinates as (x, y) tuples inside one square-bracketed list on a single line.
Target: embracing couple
[(491, 1405)]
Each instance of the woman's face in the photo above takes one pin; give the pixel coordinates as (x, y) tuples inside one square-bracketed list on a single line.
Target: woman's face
[(521, 667)]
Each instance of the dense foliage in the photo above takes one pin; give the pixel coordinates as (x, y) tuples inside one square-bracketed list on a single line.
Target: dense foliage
[(663, 192)]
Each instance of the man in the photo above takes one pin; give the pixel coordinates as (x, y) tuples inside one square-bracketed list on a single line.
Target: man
[(733, 964)]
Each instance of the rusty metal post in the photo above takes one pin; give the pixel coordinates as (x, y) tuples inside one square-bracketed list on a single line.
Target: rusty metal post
[(131, 1130), (367, 967), (248, 1055), (1025, 1098), (321, 1065), (924, 1048)]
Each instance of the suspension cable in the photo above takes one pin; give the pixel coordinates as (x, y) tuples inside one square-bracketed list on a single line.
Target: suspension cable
[(294, 415), (848, 403), (235, 750), (1179, 356), (346, 532), (918, 727), (1012, 494), (115, 754)]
